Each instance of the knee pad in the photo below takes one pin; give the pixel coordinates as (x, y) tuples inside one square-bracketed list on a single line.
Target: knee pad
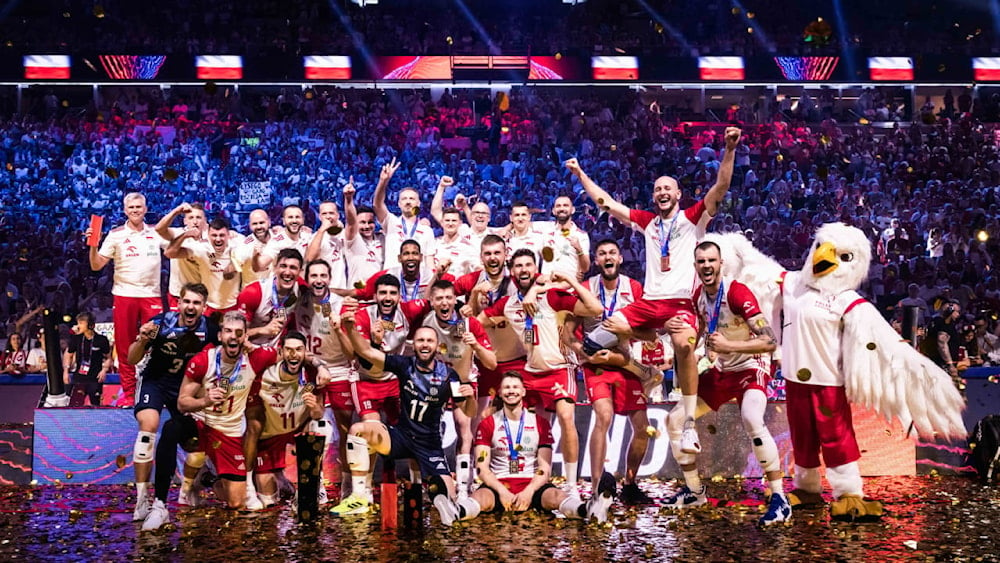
[(145, 445), (765, 449), (321, 427), (436, 486), (680, 457), (357, 454)]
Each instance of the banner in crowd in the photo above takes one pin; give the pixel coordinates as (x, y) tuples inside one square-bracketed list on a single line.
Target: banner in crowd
[(255, 193)]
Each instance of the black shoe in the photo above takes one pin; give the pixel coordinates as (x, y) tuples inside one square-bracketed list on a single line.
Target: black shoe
[(632, 495)]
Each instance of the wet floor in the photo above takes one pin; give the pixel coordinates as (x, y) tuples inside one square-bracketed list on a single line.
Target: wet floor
[(928, 519)]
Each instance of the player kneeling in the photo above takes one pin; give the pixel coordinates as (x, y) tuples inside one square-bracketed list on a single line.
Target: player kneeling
[(514, 457)]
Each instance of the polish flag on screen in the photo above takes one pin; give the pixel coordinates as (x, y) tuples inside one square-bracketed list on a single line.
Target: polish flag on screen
[(46, 66), (721, 68), (890, 68), (986, 69), (615, 68), (327, 67), (219, 67)]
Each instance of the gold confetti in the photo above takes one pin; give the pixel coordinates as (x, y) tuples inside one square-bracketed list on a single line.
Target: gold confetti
[(69, 475), (305, 464), (600, 201), (548, 254), (692, 340), (804, 374), (170, 174), (652, 432), (888, 432), (825, 411), (121, 461), (712, 429), (871, 346), (359, 284)]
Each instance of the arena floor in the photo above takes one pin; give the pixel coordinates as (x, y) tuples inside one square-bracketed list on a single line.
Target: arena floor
[(929, 519)]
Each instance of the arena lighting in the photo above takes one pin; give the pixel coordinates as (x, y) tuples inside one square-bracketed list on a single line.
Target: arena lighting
[(807, 68), (982, 236), (129, 67), (363, 3)]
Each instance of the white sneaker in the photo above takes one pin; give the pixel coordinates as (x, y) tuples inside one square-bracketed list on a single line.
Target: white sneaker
[(447, 509), (157, 517), (253, 501), (602, 497), (689, 439), (191, 498), (142, 507), (674, 396), (321, 497)]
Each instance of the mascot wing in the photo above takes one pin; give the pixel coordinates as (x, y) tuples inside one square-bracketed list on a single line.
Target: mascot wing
[(742, 262), (886, 375)]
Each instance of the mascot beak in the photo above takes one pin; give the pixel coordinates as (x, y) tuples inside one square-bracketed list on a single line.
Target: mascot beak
[(825, 259)]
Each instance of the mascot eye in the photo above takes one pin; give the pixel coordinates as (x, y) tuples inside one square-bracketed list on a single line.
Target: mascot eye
[(846, 257)]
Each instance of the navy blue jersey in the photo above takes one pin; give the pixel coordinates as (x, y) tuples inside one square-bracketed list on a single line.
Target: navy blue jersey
[(175, 345), (422, 396)]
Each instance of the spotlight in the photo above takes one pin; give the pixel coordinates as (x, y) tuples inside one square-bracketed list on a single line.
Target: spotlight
[(982, 236)]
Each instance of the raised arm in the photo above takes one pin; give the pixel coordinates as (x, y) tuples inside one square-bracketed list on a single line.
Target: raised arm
[(163, 226), (378, 199), (437, 204), (362, 347), (717, 192), (176, 249), (350, 211), (587, 304), (597, 193)]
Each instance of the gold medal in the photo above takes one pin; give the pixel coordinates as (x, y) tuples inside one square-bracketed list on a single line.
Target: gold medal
[(325, 309), (518, 447), (548, 254), (388, 326), (308, 388), (665, 263), (529, 336), (359, 284), (513, 466), (565, 232)]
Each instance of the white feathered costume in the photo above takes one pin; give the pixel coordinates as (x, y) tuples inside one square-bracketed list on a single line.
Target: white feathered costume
[(837, 349)]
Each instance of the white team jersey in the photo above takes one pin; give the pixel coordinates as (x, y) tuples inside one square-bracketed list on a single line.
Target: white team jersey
[(565, 258), (545, 351), (475, 239), (212, 265), (684, 234), (332, 250), (396, 231), (532, 240), (811, 343), (137, 260), (737, 306), (284, 410), (394, 339), (227, 417), (323, 343), (183, 270), (535, 435), (282, 241), (364, 258), (626, 292), (259, 303), (244, 259), (460, 251)]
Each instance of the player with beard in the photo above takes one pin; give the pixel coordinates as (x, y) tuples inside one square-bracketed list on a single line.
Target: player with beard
[(216, 266), (183, 270), (670, 232), (292, 235), (170, 339), (403, 227), (414, 276), (317, 316), (612, 388), (267, 303), (484, 288), (515, 465), (425, 387), (252, 244), (386, 324), (479, 216), (364, 248), (288, 403), (461, 339), (328, 245), (572, 259), (217, 383), (741, 341), (537, 314)]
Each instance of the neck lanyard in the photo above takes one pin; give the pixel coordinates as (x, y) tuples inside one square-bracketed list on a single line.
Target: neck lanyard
[(301, 375), (410, 295), (497, 292), (274, 296), (402, 227), (218, 369), (514, 447), (665, 236), (529, 321), (614, 300), (713, 319)]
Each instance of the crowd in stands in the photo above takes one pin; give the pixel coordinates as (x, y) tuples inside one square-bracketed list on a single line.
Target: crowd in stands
[(926, 193), (661, 27)]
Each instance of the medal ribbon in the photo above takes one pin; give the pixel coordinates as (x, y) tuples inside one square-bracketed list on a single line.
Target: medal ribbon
[(713, 319), (614, 301), (511, 445), (236, 369), (665, 236)]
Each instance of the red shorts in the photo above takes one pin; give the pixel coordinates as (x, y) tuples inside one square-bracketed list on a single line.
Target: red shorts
[(717, 387), (339, 395), (489, 380), (622, 387), (653, 313), (271, 452), (209, 311), (226, 452), (820, 420), (377, 397), (545, 388)]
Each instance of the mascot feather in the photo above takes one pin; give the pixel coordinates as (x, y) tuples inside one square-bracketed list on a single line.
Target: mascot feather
[(836, 350)]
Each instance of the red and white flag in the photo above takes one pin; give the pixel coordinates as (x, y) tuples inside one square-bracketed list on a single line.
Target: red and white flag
[(219, 67), (986, 69), (890, 68), (615, 68), (46, 66), (721, 68), (327, 67)]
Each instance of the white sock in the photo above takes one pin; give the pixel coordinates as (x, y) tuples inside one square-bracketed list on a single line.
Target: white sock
[(570, 507), (572, 473), (366, 491), (463, 466), (415, 477), (186, 484), (251, 487), (692, 480), (141, 490), (777, 487), (468, 508), (268, 500), (690, 403)]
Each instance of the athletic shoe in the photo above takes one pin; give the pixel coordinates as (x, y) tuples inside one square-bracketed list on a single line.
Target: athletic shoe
[(157, 517), (447, 509), (142, 508), (632, 495), (600, 501), (686, 498), (253, 502), (191, 498), (351, 506), (689, 439), (674, 396), (778, 510), (321, 497)]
